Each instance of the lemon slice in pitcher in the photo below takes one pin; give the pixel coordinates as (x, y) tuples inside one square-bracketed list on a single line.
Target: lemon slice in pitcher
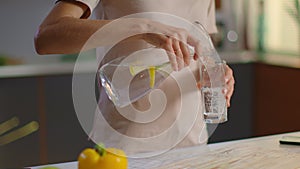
[(151, 70), (134, 70)]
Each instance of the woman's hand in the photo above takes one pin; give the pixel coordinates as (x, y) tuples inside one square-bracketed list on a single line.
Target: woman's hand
[(175, 41), (229, 80)]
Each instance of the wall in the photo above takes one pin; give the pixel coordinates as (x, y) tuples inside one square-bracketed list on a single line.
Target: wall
[(19, 22)]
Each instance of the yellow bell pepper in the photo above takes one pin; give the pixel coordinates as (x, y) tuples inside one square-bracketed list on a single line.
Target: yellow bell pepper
[(102, 158)]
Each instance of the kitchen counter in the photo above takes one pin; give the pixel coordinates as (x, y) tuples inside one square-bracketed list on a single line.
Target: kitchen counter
[(283, 60), (290, 61), (29, 70), (88, 66), (236, 57), (257, 153)]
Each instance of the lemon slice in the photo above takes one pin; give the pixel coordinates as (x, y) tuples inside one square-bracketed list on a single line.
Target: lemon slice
[(134, 70), (151, 70)]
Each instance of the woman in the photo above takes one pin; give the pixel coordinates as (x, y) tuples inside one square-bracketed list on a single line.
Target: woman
[(67, 28)]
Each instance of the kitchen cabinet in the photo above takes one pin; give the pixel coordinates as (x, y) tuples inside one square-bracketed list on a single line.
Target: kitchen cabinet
[(19, 98), (48, 101), (240, 121), (265, 102), (276, 103), (65, 137)]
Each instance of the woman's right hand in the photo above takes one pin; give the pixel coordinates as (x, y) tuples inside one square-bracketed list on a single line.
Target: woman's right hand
[(175, 41)]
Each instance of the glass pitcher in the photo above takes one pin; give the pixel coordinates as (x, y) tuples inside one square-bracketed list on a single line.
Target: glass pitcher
[(128, 78)]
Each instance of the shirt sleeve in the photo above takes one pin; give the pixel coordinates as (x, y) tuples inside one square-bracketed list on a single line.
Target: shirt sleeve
[(211, 18), (90, 3)]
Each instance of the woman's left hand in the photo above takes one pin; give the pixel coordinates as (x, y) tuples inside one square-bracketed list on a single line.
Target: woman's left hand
[(229, 80)]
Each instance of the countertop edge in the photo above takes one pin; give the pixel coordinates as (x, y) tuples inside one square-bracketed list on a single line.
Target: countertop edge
[(89, 66), (30, 70)]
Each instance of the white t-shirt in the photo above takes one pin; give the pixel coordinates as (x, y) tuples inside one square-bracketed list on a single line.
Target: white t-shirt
[(202, 11), (179, 100)]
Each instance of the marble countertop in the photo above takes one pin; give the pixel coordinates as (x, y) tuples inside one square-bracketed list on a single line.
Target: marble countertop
[(256, 153)]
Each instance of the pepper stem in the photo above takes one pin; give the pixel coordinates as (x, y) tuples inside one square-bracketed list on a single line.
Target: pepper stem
[(100, 148)]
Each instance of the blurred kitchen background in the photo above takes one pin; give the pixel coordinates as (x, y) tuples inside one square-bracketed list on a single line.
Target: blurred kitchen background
[(259, 39)]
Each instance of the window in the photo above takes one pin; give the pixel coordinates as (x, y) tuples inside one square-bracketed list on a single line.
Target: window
[(280, 30)]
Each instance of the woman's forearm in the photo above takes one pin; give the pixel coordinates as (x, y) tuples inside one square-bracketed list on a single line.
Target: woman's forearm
[(67, 35), (63, 31)]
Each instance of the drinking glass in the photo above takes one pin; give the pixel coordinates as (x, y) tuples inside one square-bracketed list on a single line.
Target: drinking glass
[(212, 80)]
